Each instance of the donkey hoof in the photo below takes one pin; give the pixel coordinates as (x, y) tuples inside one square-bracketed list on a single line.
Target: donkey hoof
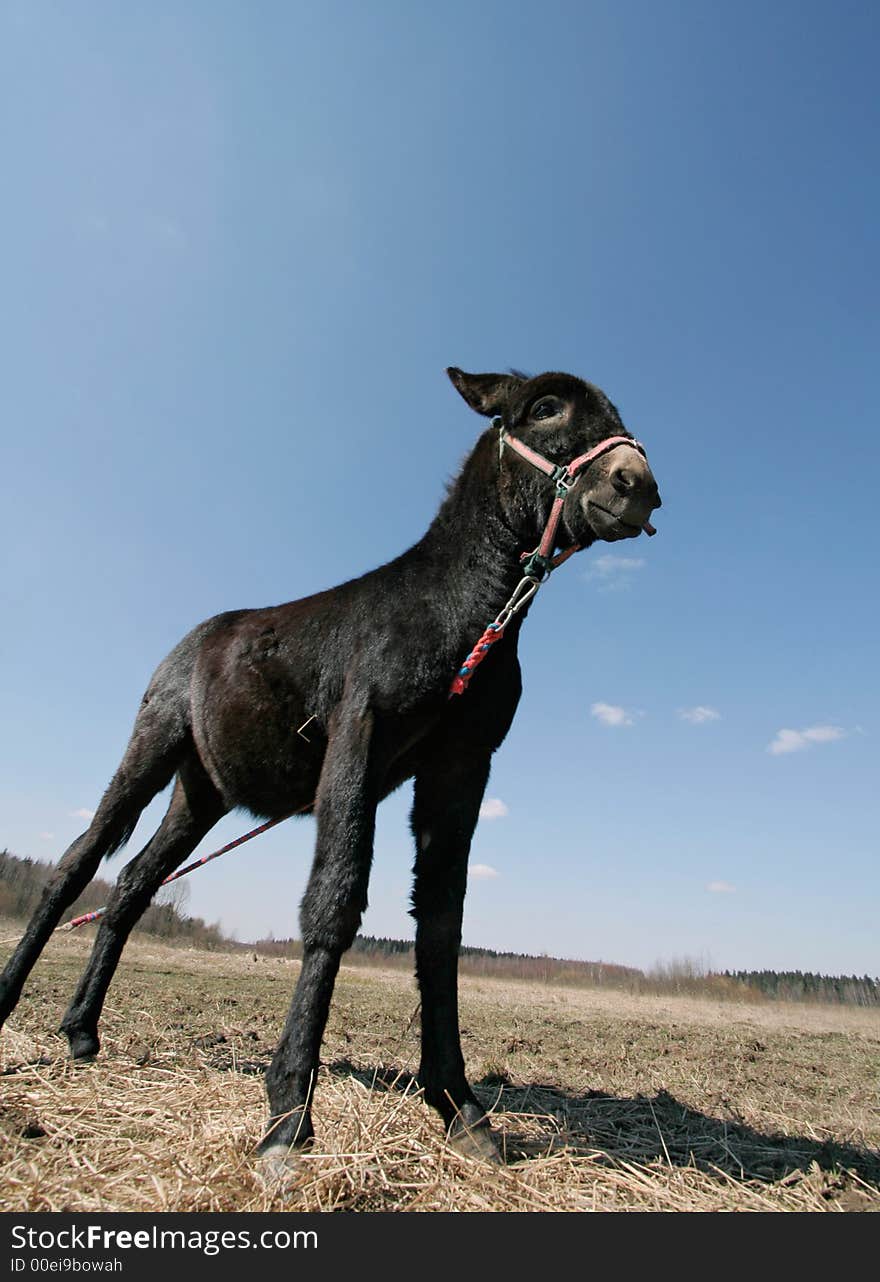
[(84, 1046), (278, 1166), (477, 1142)]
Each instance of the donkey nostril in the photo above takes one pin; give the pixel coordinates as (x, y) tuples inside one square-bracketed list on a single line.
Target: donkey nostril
[(622, 480)]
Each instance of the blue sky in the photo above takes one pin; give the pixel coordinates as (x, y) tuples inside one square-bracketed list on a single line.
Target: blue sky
[(240, 245)]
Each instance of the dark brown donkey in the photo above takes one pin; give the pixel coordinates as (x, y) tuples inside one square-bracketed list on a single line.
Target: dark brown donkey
[(369, 665)]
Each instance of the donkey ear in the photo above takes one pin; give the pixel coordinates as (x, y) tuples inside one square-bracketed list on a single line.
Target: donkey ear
[(486, 393)]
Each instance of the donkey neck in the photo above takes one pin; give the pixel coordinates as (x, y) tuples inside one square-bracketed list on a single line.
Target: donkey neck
[(471, 551)]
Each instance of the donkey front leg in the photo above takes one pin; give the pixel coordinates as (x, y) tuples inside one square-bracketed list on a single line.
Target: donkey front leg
[(445, 812), (330, 915)]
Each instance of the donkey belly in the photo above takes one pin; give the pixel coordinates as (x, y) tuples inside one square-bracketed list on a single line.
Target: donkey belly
[(248, 718)]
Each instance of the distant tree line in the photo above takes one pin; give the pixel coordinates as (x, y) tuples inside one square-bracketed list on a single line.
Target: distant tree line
[(22, 882), (682, 976), (367, 950), (804, 986)]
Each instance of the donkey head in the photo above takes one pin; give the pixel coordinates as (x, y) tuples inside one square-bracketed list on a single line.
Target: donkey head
[(561, 418)]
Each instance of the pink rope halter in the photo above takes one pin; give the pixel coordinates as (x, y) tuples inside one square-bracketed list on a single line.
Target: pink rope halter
[(538, 565), (564, 477)]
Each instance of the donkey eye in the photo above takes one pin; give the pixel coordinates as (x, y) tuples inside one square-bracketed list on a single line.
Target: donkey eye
[(547, 408)]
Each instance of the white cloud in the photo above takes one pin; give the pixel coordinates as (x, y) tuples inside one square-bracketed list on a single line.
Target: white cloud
[(611, 715), (47, 836), (699, 715), (721, 888), (609, 564), (798, 740), (493, 808), (614, 571), (482, 872), (82, 813)]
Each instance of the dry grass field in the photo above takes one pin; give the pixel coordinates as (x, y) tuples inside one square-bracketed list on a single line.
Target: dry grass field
[(604, 1101)]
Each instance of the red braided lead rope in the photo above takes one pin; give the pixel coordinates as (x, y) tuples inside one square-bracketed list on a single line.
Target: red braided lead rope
[(493, 633), (181, 872), (522, 595)]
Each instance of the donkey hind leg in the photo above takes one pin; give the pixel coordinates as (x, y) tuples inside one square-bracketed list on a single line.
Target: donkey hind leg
[(330, 914), (194, 809), (151, 758), (445, 811)]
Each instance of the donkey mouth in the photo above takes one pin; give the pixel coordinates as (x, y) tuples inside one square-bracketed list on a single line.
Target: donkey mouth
[(610, 525)]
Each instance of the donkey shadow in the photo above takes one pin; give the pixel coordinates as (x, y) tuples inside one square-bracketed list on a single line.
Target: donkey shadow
[(640, 1129)]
